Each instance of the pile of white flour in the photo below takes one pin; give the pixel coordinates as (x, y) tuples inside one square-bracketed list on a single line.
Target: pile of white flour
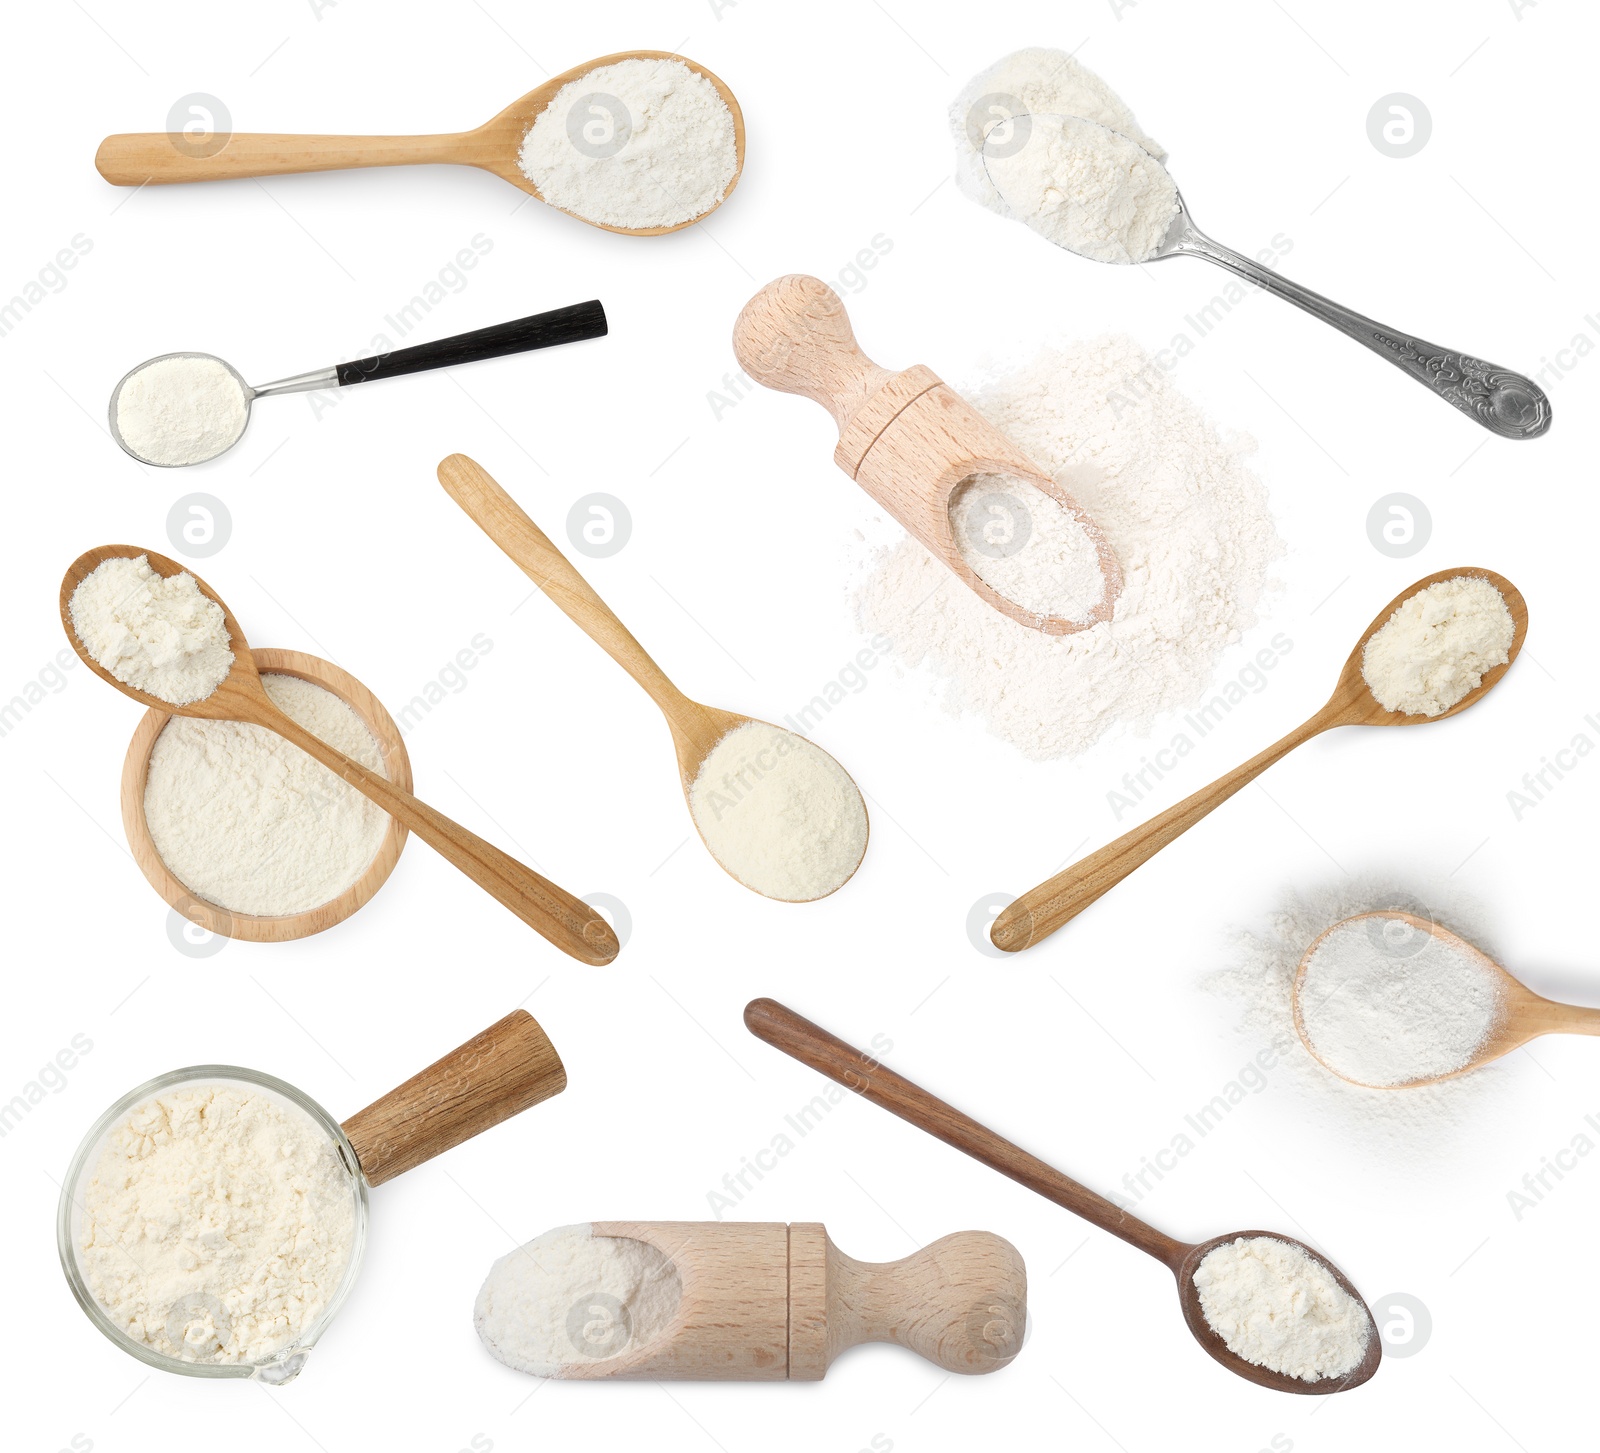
[(640, 143), (1043, 140), (248, 821), (1187, 519), (157, 634), (570, 1296), (181, 409), (1280, 1309), (217, 1223), (1436, 646), (1388, 1008), (779, 813), (1026, 546)]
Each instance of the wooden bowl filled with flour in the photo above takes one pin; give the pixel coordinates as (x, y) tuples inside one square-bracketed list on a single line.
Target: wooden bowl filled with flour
[(244, 834)]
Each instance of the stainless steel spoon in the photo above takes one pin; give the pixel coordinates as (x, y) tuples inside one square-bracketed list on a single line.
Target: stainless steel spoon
[(540, 330), (1504, 402)]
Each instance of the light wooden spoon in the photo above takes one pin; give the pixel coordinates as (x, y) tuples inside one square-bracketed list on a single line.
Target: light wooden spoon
[(135, 158), (1041, 911), (1523, 1016), (696, 729), (812, 1045), (568, 922)]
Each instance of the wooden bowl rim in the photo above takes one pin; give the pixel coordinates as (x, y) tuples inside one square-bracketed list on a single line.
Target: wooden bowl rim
[(255, 927)]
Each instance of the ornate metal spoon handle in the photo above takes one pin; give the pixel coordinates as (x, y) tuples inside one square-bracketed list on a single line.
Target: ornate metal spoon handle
[(1504, 402)]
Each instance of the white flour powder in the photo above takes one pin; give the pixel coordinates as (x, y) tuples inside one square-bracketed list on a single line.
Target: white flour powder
[(1436, 646), (1384, 1003), (158, 635), (1026, 547), (183, 409), (217, 1223), (248, 821), (1087, 189), (570, 1296), (1185, 516), (1280, 1309), (641, 143), (779, 813)]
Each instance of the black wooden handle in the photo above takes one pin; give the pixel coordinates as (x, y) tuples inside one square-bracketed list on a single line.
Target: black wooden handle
[(542, 330)]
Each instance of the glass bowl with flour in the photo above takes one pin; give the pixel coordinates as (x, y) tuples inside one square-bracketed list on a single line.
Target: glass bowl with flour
[(212, 1223), (241, 831)]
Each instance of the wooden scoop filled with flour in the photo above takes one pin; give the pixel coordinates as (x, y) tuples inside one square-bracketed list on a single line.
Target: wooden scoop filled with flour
[(974, 500)]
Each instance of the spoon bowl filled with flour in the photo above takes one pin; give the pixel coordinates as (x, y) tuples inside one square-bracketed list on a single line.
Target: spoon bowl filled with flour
[(1389, 1000)]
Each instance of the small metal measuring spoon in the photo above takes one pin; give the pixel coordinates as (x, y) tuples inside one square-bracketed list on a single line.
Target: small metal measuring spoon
[(1504, 402), (571, 324)]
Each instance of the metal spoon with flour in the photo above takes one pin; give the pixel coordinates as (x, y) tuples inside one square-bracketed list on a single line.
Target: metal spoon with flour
[(170, 415), (1504, 402)]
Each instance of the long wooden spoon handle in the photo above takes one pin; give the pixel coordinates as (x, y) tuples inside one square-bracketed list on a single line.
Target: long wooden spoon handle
[(135, 158), (493, 1076), (856, 1070), (568, 922), (504, 521), (1040, 911)]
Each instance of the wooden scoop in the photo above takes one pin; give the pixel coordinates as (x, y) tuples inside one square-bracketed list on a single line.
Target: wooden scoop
[(1524, 1015), (812, 1045), (906, 438), (568, 922), (763, 1303), (696, 729), (133, 159), (1041, 911)]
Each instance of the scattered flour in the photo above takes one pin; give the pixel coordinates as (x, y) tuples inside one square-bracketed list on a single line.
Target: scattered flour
[(779, 813), (570, 1296), (1027, 547), (248, 821), (158, 635), (1436, 646), (185, 408), (1185, 516), (1384, 1002), (1085, 188), (640, 143), (217, 1223), (1278, 1308)]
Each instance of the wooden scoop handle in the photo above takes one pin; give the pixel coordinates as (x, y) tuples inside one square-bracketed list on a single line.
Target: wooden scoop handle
[(961, 1302), (493, 1076), (1041, 911), (134, 158), (812, 1045), (795, 336)]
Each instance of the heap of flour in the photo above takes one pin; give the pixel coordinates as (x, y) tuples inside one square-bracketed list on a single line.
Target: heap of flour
[(1385, 1003), (638, 143), (246, 820), (1043, 140), (1437, 645), (158, 634), (1278, 1308), (183, 408), (217, 1224), (1183, 513), (571, 1297), (779, 813)]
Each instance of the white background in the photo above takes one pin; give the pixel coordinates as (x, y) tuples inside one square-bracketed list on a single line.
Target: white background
[(1090, 1049)]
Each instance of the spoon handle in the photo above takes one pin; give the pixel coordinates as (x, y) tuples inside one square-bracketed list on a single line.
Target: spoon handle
[(571, 324), (504, 521), (1505, 403), (1041, 911), (496, 1074), (856, 1070), (135, 158), (567, 922)]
